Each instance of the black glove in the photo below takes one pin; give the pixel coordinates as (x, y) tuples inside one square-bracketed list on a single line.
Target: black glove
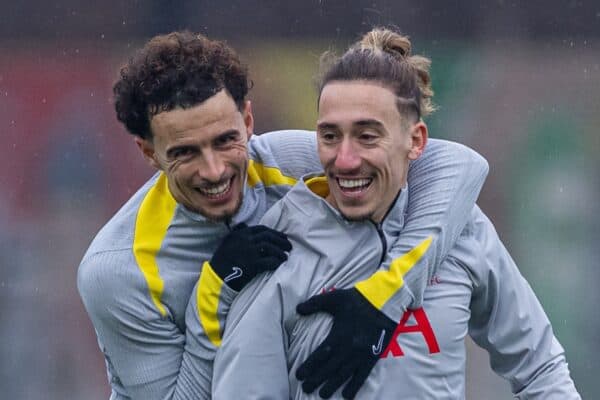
[(246, 252), (359, 335)]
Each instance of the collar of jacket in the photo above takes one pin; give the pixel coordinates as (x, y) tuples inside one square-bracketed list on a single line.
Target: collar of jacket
[(393, 221)]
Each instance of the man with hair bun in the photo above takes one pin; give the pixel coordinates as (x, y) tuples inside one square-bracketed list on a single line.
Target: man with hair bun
[(369, 128), (159, 277)]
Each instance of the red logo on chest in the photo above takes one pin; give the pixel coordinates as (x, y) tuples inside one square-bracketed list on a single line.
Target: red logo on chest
[(421, 326)]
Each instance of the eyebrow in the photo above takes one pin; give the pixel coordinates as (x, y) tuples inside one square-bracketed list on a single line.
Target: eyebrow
[(361, 123), (194, 146), (326, 125), (227, 133), (368, 122)]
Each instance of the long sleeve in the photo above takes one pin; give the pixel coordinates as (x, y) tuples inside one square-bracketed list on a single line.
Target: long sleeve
[(208, 313), (204, 320), (252, 363), (143, 349), (443, 185), (293, 152), (508, 321)]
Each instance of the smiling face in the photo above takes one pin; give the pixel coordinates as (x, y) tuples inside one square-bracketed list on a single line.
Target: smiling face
[(365, 145), (203, 152)]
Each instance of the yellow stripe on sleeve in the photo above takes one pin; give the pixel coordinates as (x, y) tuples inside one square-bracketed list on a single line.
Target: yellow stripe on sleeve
[(382, 285), (207, 302), (153, 219), (269, 176)]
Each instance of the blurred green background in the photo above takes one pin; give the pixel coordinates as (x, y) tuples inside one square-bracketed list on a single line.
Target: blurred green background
[(517, 81)]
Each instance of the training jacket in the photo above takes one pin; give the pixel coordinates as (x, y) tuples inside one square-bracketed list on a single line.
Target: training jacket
[(477, 290), (139, 279)]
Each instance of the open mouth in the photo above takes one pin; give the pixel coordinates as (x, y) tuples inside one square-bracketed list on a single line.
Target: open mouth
[(216, 191), (354, 186)]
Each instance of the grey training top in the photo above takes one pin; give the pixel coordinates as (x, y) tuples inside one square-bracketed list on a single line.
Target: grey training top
[(139, 279), (477, 290)]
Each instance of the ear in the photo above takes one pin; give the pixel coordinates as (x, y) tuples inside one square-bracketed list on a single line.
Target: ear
[(419, 136), (147, 149), (248, 118)]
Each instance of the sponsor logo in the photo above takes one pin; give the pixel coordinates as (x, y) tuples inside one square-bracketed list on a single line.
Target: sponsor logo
[(377, 349), (434, 280), (421, 326), (237, 272)]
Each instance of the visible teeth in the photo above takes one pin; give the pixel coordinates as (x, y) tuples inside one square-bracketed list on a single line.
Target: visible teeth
[(353, 183), (216, 190)]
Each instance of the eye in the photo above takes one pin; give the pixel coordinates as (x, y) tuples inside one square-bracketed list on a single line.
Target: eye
[(328, 136), (180, 153), (226, 139), (368, 137)]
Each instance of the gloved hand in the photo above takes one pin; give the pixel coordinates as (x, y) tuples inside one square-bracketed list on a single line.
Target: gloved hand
[(359, 335), (246, 252)]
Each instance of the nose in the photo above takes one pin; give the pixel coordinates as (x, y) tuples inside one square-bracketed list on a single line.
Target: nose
[(213, 167), (347, 157)]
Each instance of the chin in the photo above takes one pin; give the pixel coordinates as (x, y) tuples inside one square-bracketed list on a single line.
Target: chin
[(221, 215), (218, 218), (356, 215)]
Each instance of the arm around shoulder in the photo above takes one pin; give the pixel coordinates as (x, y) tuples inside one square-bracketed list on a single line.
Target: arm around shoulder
[(252, 361), (443, 185), (293, 152)]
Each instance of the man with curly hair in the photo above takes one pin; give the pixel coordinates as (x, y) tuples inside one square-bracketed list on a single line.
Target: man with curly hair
[(158, 279)]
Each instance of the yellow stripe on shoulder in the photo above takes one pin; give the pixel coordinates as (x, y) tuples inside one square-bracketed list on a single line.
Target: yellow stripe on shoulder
[(151, 225), (207, 303), (382, 285), (269, 176)]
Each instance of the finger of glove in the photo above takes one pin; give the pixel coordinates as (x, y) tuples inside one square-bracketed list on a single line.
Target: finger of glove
[(326, 302), (332, 348), (309, 387), (278, 239), (356, 382), (270, 263), (319, 356), (271, 250), (236, 239), (323, 372), (336, 381)]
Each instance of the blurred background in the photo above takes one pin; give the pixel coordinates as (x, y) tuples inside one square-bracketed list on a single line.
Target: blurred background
[(517, 81)]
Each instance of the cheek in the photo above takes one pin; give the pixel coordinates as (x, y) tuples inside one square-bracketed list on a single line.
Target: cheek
[(387, 169), (180, 172), (173, 167), (239, 157), (239, 153), (326, 156), (396, 170)]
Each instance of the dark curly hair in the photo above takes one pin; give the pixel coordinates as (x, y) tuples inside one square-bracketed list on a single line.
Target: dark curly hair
[(180, 69)]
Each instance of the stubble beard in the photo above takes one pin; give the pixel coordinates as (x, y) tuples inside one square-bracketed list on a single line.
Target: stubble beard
[(226, 216), (358, 218)]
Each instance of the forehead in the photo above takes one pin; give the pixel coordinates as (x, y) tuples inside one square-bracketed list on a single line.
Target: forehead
[(214, 116), (346, 102)]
